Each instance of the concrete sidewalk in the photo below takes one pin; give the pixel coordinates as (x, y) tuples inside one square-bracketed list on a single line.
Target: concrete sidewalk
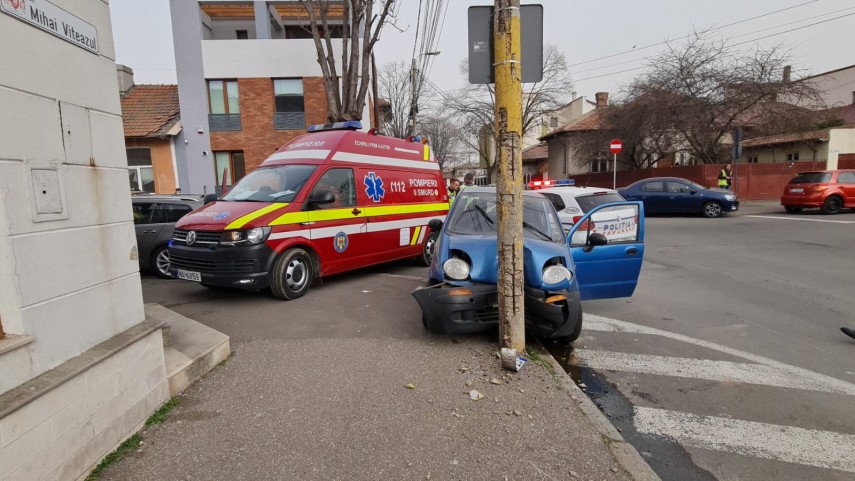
[(755, 207), (321, 409)]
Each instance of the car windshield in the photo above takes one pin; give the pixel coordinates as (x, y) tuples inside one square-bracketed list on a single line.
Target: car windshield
[(811, 178), (279, 183), (588, 202), (475, 213)]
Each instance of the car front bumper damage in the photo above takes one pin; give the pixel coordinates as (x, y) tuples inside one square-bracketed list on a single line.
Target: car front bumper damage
[(464, 309)]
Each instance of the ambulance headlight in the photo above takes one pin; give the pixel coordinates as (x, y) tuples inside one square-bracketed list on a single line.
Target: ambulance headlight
[(556, 274), (245, 237), (456, 269)]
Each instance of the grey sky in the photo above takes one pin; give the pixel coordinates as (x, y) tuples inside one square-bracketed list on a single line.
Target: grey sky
[(582, 30)]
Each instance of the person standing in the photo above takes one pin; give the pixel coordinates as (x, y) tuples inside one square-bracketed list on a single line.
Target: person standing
[(468, 181), (453, 189), (725, 178)]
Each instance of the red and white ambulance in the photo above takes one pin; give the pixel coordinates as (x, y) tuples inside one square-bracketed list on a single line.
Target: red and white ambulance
[(333, 200)]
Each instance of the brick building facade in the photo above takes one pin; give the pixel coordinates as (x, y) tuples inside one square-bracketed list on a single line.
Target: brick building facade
[(258, 138)]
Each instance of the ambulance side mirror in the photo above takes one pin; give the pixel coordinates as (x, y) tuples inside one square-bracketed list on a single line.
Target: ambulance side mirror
[(435, 225), (321, 197)]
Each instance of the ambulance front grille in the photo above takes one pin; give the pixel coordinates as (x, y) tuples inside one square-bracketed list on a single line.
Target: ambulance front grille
[(203, 238), (213, 266)]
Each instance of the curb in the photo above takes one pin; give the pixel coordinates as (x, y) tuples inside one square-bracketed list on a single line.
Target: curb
[(625, 453)]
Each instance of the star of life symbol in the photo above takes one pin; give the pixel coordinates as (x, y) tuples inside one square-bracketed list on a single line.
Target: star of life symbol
[(374, 187)]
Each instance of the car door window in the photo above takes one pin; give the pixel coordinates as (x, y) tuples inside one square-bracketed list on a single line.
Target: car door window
[(619, 223), (158, 216), (143, 212), (339, 182), (556, 200), (658, 186), (677, 188), (846, 178), (172, 212)]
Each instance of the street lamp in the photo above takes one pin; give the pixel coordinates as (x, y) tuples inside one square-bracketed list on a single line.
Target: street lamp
[(415, 85)]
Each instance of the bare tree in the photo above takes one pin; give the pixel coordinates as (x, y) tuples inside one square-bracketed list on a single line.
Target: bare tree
[(695, 94), (394, 86), (358, 18), (475, 104), (444, 139)]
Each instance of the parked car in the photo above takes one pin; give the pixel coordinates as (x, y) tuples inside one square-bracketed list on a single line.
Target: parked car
[(573, 202), (673, 195), (829, 190), (154, 221), (461, 292)]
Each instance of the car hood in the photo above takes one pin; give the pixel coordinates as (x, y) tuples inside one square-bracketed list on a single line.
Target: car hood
[(483, 252), (222, 214)]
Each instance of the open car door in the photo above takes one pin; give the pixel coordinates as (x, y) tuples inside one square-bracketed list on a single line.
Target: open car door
[(608, 269)]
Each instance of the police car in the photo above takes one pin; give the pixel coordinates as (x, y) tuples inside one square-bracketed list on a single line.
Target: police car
[(572, 202)]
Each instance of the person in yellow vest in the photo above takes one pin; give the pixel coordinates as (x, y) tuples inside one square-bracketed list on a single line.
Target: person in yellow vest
[(468, 181), (453, 189), (725, 178)]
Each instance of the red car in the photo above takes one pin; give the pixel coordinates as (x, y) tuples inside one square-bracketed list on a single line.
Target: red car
[(830, 190)]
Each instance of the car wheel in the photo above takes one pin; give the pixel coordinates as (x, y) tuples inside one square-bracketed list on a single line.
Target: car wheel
[(712, 209), (792, 209), (160, 262), (292, 274), (427, 250), (832, 205)]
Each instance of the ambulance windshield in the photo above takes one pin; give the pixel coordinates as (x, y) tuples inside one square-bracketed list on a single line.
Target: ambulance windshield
[(279, 183)]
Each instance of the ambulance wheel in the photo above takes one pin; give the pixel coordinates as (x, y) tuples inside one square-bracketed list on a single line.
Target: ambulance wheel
[(427, 250), (292, 274)]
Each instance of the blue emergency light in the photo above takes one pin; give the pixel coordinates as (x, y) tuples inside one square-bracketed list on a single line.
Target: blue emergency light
[(564, 182), (349, 125)]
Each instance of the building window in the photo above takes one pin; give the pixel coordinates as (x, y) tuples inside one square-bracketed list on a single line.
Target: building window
[(753, 159), (223, 105), (290, 106), (242, 34), (140, 172), (792, 157), (600, 163), (553, 122), (229, 165)]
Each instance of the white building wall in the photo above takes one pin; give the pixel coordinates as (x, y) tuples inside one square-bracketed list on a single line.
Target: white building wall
[(223, 59), (837, 88), (68, 256), (840, 141)]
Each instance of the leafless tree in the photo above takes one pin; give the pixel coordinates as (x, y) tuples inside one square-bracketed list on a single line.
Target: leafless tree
[(475, 104), (444, 139), (695, 94), (395, 87), (357, 18)]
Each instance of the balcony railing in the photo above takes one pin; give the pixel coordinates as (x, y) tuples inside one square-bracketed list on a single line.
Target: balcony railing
[(289, 120), (224, 122)]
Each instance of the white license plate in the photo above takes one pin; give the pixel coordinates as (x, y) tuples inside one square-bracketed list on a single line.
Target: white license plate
[(189, 275), (797, 191)]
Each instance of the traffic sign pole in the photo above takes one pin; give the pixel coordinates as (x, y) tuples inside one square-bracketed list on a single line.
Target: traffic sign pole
[(615, 147)]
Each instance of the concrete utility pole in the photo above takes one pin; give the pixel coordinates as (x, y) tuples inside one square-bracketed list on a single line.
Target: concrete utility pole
[(508, 76)]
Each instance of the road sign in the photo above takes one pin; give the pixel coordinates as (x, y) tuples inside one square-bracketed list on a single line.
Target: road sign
[(736, 135), (615, 146), (481, 44)]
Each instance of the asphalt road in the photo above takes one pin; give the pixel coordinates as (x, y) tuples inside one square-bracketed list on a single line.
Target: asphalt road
[(726, 364)]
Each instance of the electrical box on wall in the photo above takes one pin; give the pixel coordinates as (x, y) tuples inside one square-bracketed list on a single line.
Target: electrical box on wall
[(48, 199)]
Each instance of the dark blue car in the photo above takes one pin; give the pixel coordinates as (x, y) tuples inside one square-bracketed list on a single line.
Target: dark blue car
[(673, 195), (559, 270)]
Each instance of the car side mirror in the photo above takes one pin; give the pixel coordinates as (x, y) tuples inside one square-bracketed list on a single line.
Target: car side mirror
[(595, 239), (435, 225), (693, 191), (322, 197), (210, 198)]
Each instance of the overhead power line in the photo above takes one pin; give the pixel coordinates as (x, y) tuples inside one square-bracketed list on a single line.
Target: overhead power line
[(647, 57), (729, 46), (687, 36)]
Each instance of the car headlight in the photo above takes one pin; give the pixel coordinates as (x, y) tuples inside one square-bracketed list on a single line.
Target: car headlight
[(730, 197), (456, 269), (253, 236), (555, 274)]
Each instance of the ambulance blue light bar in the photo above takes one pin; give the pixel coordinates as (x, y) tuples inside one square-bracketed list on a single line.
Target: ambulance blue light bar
[(349, 125)]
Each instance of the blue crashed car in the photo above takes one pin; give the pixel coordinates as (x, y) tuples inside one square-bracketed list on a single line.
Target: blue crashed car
[(599, 258)]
